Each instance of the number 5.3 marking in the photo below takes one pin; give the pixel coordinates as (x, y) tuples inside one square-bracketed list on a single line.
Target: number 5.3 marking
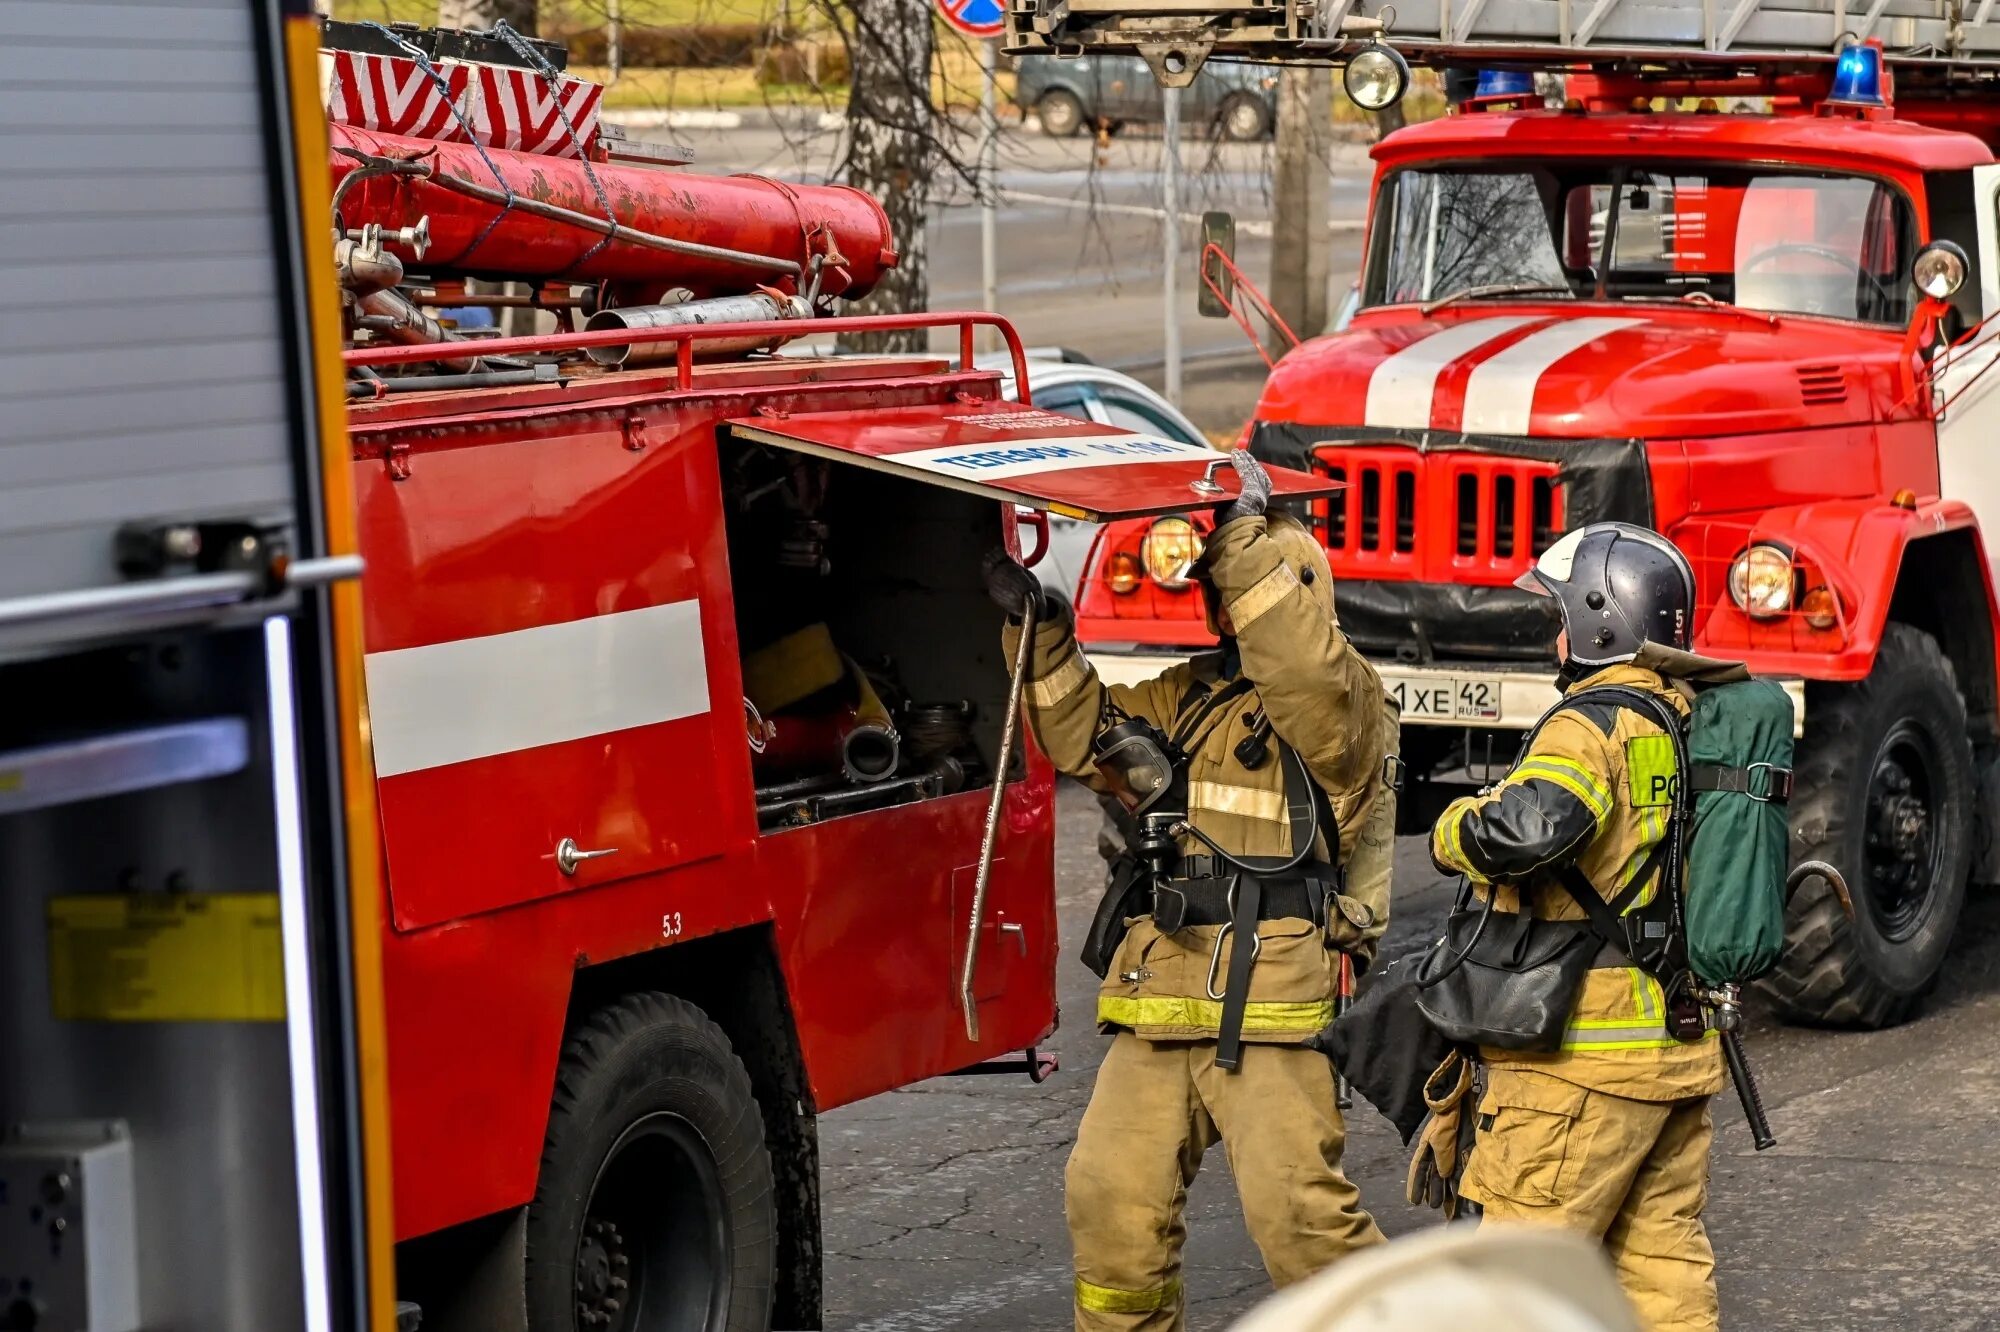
[(670, 925)]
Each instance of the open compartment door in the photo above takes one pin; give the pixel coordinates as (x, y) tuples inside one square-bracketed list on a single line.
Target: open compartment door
[(1023, 455)]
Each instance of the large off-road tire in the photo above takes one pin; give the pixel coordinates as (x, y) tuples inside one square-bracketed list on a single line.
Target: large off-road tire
[(1244, 119), (1885, 792), (653, 1211), (1061, 114)]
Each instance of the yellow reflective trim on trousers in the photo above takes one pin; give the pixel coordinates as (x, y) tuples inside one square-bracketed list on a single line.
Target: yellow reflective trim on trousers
[(1263, 594), (1109, 1299), (1243, 801), (1572, 777), (1266, 1017), (1061, 682)]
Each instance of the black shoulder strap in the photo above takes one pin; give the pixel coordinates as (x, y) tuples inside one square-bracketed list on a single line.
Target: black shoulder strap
[(1187, 722)]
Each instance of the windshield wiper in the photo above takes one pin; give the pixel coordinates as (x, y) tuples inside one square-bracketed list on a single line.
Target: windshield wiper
[(1709, 302), (1493, 289)]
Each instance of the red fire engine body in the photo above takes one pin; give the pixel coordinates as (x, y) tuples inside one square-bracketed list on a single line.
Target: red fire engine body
[(686, 706), (1744, 364)]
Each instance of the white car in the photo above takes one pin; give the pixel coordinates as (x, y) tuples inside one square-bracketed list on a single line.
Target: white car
[(1065, 381)]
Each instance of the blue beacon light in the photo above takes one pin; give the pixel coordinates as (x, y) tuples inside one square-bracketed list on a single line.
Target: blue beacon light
[(1857, 77)]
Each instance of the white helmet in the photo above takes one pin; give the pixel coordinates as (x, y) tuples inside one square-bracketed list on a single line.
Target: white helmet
[(1450, 1279)]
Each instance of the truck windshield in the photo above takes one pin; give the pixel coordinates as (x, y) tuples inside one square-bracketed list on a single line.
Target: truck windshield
[(1788, 242)]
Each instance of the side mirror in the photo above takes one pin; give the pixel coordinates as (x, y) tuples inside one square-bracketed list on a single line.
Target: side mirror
[(1217, 293)]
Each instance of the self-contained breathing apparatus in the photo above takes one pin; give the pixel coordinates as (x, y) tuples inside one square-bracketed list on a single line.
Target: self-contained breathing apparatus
[(1147, 771)]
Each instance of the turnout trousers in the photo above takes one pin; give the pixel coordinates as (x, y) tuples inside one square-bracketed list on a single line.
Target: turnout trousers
[(1155, 1111), (1631, 1174)]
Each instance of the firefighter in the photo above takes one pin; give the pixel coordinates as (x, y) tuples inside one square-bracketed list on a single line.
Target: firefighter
[(1609, 1135), (1252, 771)]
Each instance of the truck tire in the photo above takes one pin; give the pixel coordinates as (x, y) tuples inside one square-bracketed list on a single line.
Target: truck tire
[(1244, 119), (1061, 114), (1884, 791), (653, 1211)]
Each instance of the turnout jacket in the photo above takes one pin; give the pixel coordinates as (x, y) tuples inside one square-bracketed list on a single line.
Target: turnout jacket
[(1322, 698), (1592, 792)]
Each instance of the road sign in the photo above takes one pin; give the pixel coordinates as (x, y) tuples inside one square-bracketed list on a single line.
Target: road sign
[(982, 19)]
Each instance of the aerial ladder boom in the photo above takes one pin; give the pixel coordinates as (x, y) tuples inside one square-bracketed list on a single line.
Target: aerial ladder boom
[(1931, 44)]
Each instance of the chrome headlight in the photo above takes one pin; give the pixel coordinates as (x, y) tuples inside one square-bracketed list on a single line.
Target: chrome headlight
[(1939, 270), (1761, 581), (1376, 77), (1169, 551)]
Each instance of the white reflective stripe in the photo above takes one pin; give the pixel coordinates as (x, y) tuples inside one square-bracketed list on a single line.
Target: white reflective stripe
[(1500, 395), (997, 460), (1243, 801), (1061, 682), (1402, 386), (475, 697), (1263, 594)]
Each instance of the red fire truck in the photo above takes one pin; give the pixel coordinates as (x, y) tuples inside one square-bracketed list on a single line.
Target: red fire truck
[(688, 719), (1732, 285)]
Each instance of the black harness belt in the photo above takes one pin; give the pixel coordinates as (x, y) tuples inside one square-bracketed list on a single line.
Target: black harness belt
[(1205, 899)]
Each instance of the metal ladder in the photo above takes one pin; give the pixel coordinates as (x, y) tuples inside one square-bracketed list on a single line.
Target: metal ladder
[(1929, 41)]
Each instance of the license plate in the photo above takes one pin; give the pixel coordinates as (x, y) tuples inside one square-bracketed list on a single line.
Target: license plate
[(1435, 698)]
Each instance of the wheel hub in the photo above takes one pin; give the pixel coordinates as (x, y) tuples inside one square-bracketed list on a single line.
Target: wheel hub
[(603, 1270), (1902, 846)]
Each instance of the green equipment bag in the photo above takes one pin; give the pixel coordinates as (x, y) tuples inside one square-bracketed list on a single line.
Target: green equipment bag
[(1739, 751)]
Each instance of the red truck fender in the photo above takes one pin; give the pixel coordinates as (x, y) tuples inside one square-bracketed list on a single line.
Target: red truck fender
[(1924, 563)]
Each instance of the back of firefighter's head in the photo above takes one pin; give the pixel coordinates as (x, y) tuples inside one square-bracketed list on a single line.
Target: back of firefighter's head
[(1301, 552), (1617, 587)]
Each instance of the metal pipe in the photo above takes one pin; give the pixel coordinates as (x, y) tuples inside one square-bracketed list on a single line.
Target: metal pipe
[(756, 308), (409, 325), (377, 388), (869, 753), (1023, 654)]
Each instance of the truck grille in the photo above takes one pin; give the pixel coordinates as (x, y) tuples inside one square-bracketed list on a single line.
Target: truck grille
[(1467, 517)]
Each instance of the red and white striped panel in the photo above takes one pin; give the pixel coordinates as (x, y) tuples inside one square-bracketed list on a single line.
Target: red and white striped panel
[(515, 108), (394, 95)]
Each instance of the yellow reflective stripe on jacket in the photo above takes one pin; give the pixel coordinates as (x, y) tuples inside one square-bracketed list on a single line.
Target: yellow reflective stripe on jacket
[(1060, 683), (1244, 801), (1572, 776), (1454, 849), (1268, 1016), (1109, 1299), (1263, 594), (1654, 1037)]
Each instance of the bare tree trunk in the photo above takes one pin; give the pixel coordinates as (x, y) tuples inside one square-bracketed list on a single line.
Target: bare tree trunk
[(1388, 120), (893, 149), (1300, 245), (479, 15)]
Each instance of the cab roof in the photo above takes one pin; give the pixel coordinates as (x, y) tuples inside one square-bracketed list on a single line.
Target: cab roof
[(1831, 141)]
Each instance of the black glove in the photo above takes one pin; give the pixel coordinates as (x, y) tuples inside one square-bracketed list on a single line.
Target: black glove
[(1256, 493), (1012, 587)]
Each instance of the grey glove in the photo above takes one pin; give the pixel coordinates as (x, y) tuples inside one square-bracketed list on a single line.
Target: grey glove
[(1255, 496), (1012, 587)]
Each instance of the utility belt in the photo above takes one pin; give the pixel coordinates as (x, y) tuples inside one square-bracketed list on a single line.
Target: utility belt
[(1206, 894)]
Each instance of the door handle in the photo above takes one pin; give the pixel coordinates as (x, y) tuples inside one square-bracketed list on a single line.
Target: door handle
[(1020, 933), (569, 855)]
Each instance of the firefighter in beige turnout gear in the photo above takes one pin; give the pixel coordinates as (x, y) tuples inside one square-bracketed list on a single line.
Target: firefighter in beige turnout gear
[(1608, 1136), (1165, 1093)]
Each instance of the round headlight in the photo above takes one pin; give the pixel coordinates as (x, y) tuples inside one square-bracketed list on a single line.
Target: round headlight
[(1939, 270), (1376, 77), (1760, 581), (1170, 549)]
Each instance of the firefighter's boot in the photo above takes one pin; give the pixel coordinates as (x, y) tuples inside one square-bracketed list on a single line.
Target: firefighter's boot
[(1156, 1109), (1631, 1173)]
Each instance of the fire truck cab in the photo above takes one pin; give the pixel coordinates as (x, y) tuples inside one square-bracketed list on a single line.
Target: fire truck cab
[(1737, 295)]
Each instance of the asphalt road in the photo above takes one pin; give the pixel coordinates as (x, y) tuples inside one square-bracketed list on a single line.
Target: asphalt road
[(1081, 241), (943, 1205)]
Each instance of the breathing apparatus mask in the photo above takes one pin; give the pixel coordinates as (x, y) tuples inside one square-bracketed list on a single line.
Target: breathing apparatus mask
[(1147, 773)]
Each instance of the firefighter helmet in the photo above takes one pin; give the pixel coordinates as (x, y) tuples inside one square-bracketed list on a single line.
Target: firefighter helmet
[(1618, 588)]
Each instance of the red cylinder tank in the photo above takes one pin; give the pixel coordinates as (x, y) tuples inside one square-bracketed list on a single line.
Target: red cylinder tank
[(745, 213)]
